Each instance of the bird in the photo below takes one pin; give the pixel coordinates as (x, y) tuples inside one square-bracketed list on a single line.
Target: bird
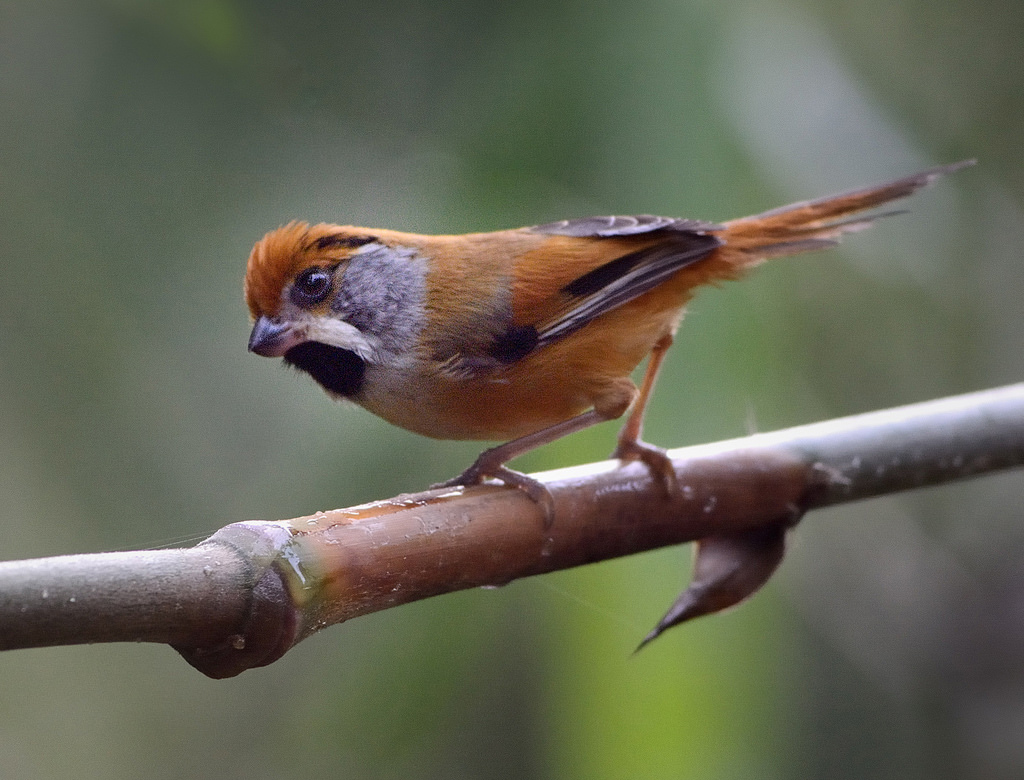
[(521, 336)]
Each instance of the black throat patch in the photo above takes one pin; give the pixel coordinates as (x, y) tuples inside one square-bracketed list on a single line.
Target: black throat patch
[(339, 371)]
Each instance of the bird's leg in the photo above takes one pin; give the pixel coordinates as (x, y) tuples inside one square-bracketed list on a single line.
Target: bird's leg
[(630, 446), (491, 462)]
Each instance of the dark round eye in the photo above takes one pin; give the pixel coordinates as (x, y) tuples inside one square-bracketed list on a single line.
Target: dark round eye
[(311, 286)]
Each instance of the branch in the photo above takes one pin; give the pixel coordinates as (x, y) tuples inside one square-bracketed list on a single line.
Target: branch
[(254, 589)]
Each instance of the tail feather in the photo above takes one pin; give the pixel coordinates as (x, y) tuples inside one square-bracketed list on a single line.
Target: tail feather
[(816, 224)]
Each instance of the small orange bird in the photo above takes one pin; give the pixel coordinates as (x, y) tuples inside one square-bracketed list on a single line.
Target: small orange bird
[(522, 335)]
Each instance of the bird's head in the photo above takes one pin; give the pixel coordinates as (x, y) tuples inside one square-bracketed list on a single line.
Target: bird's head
[(330, 299)]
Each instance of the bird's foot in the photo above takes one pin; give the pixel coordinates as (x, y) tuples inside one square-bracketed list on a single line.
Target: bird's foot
[(655, 458), (484, 469)]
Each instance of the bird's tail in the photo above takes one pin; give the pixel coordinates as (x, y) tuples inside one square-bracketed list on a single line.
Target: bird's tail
[(818, 224)]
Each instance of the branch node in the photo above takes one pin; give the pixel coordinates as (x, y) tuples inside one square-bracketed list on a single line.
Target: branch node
[(271, 622)]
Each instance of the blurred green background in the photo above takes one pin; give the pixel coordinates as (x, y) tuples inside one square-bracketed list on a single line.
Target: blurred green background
[(146, 144)]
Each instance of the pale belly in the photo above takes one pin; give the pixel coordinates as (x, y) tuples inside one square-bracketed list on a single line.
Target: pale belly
[(588, 369)]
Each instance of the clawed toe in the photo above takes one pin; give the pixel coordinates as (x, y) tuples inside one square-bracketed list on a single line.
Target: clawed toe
[(535, 489), (655, 458), (469, 477)]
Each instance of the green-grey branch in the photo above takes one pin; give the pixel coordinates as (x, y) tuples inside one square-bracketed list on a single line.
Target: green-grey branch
[(254, 589)]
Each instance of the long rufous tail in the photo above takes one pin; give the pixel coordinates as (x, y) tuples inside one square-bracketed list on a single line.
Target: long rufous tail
[(817, 224)]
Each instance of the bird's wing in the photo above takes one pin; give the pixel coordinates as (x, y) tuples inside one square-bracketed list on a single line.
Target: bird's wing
[(621, 280), (599, 290), (569, 306)]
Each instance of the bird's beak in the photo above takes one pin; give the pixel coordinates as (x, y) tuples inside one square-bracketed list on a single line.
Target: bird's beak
[(272, 337)]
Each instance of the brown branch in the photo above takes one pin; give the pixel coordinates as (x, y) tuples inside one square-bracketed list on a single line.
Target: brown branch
[(254, 589)]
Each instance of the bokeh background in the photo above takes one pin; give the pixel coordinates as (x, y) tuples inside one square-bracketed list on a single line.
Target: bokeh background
[(146, 144)]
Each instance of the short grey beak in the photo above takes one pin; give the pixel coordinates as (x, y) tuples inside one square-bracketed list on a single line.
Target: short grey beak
[(272, 338)]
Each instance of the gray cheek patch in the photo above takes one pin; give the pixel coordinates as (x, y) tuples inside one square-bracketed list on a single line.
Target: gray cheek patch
[(382, 293)]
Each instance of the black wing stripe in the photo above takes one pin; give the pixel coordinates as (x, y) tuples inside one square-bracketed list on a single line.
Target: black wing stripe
[(639, 272), (604, 275)]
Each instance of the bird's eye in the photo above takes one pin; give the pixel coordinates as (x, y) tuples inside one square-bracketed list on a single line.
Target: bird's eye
[(311, 286)]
